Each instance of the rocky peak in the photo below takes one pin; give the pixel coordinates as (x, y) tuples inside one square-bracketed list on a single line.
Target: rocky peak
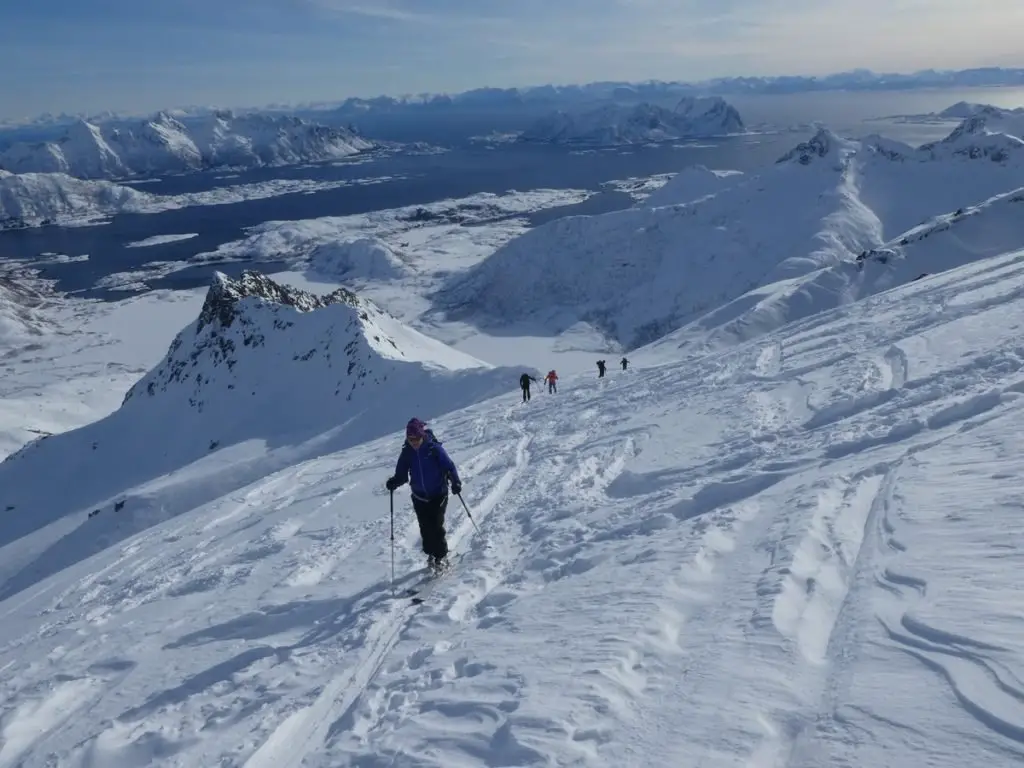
[(165, 119), (822, 144), (984, 135), (256, 313), (221, 304)]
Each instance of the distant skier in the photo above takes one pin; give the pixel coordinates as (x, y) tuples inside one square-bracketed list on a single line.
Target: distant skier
[(427, 467), (524, 383), (625, 363), (600, 369), (552, 380)]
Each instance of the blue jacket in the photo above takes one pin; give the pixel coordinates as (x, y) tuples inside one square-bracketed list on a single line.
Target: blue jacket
[(427, 469)]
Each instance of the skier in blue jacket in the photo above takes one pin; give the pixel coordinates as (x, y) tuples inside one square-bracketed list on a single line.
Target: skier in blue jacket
[(427, 467)]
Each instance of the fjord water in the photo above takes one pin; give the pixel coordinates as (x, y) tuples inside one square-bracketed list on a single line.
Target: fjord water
[(467, 168)]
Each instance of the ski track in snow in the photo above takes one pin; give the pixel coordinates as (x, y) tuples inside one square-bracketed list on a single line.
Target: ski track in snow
[(681, 565)]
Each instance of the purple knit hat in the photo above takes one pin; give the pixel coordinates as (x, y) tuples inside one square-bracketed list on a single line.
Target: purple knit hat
[(415, 428)]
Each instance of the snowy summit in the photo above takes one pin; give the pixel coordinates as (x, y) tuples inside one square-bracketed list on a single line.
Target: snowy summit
[(163, 144), (707, 239), (640, 124)]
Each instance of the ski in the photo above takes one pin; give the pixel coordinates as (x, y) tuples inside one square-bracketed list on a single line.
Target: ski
[(418, 592)]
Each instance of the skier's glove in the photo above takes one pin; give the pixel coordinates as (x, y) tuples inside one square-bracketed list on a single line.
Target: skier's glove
[(456, 487), (392, 483)]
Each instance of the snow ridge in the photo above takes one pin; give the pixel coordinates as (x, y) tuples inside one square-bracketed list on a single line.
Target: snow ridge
[(942, 243), (163, 144), (710, 240)]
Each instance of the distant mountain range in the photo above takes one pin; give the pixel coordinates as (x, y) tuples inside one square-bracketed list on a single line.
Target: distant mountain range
[(613, 124), (558, 96)]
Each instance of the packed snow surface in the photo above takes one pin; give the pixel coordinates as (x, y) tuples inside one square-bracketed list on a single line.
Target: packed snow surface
[(803, 551)]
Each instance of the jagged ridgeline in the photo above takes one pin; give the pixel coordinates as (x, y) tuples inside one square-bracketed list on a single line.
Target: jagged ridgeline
[(265, 369), (239, 314), (162, 144)]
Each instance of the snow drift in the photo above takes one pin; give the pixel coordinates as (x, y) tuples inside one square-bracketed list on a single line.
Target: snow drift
[(263, 364), (615, 124), (711, 238), (163, 144)]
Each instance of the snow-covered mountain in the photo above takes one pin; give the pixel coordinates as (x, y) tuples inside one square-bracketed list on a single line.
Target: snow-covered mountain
[(262, 364), (767, 556), (361, 258), (964, 109), (710, 238), (164, 144), (615, 124), (989, 132), (34, 199), (941, 244)]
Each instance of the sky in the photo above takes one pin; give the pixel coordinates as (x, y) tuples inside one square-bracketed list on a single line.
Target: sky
[(140, 55)]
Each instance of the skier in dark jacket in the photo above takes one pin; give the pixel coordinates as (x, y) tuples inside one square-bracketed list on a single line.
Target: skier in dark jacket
[(524, 383), (624, 363), (427, 467), (600, 369)]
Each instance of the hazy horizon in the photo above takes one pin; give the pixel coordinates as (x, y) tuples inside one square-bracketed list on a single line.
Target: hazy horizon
[(60, 56)]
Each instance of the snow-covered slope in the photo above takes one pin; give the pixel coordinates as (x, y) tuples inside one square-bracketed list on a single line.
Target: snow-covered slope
[(712, 238), (945, 242), (690, 184), (802, 552), (639, 273), (164, 144), (989, 132), (263, 365), (23, 315), (615, 124), (34, 199), (362, 258), (965, 109)]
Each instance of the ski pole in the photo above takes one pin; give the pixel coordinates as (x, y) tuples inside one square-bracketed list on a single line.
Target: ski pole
[(392, 541), (468, 514)]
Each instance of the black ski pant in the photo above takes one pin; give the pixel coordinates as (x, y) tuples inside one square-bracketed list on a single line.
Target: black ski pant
[(430, 515), (552, 389), (526, 393)]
